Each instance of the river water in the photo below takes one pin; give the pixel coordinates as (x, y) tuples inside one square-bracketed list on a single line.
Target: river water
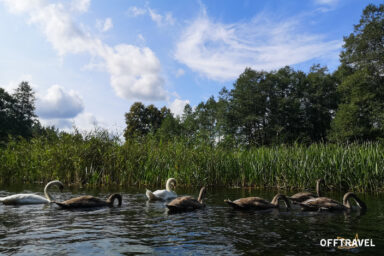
[(142, 227)]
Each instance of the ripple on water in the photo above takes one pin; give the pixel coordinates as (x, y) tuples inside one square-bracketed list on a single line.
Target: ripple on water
[(142, 227)]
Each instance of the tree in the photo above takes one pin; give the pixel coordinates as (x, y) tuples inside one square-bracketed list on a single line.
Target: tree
[(143, 120), (321, 100), (24, 110), (248, 111), (360, 114), (7, 120)]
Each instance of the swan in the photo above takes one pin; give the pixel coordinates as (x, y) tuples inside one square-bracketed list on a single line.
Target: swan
[(186, 203), (89, 202), (257, 203), (325, 203), (32, 198), (302, 196), (164, 194)]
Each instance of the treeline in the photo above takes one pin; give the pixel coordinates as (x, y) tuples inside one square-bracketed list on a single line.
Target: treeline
[(287, 106), (263, 108)]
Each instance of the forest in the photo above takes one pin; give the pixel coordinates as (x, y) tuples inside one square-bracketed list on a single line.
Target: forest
[(282, 128)]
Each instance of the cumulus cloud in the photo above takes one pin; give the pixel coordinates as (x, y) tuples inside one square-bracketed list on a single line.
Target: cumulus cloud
[(84, 121), (62, 124), (222, 51), (135, 72), (58, 103), (105, 25), (80, 5), (177, 106)]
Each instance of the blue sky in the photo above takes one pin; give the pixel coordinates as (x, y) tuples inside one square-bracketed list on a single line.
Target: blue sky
[(89, 60)]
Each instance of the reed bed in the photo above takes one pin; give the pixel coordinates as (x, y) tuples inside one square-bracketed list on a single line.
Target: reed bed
[(96, 159)]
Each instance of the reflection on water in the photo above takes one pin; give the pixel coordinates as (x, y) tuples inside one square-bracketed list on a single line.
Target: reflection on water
[(142, 227)]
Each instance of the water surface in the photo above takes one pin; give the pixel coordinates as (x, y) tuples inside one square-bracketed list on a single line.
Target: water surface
[(142, 227)]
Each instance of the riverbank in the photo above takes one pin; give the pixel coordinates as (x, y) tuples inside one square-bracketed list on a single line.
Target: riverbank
[(97, 159)]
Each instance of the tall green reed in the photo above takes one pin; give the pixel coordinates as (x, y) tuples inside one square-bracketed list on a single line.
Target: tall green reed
[(98, 159)]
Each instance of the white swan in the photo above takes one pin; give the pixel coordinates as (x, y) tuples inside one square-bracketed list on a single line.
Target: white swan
[(32, 198), (163, 194)]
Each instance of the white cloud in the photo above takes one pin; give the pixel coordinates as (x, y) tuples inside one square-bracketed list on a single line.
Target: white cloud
[(80, 5), (86, 121), (177, 106), (136, 11), (20, 6), (58, 103), (13, 84), (180, 72), (105, 25), (161, 20), (62, 124), (222, 51), (135, 73), (326, 2)]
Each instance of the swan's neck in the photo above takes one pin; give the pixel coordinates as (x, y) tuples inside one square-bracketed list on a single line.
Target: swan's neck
[(168, 184), (46, 193), (201, 195), (277, 198), (318, 183)]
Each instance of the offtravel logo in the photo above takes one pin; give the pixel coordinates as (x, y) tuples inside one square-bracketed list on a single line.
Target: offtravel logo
[(346, 244)]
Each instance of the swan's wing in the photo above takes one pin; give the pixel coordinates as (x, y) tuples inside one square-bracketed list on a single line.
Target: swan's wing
[(184, 203), (82, 202), (302, 196), (252, 202), (24, 199), (164, 194), (321, 202), (150, 195)]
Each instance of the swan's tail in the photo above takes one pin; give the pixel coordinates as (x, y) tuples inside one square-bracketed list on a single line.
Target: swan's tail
[(232, 204), (60, 204), (150, 195)]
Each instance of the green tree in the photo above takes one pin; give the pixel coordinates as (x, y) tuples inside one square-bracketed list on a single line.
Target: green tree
[(143, 120), (360, 114), (7, 116), (320, 99), (24, 110)]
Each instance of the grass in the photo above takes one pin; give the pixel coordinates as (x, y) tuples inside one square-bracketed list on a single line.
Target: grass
[(96, 159)]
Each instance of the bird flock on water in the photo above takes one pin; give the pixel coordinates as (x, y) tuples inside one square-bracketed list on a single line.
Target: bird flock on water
[(306, 200)]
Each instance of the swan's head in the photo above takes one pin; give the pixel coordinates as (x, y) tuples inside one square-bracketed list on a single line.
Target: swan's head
[(279, 197), (111, 199), (171, 184), (321, 181), (358, 201)]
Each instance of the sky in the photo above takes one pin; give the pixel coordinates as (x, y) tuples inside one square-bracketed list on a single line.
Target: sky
[(88, 61)]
